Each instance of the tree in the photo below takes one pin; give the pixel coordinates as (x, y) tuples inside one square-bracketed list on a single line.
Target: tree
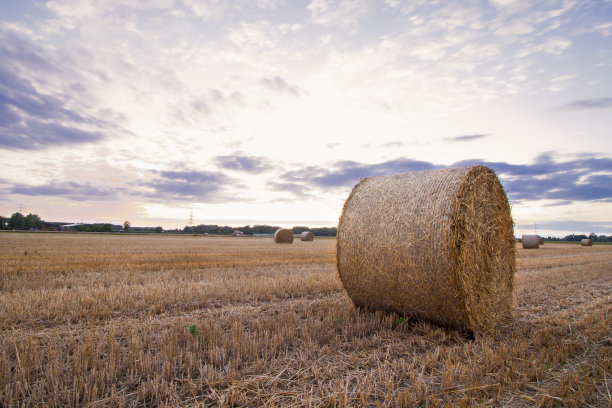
[(95, 228), (226, 229), (299, 229), (3, 222), (126, 226), (107, 228), (17, 221), (264, 229), (574, 237), (158, 230), (246, 230), (33, 221), (325, 231)]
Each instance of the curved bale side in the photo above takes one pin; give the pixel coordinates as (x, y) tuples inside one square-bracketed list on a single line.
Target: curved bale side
[(531, 241), (436, 245), (586, 242), (307, 236), (283, 236)]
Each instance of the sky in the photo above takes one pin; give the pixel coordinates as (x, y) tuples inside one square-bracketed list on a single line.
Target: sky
[(270, 111)]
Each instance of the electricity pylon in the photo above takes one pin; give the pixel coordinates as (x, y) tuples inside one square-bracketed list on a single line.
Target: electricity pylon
[(191, 221)]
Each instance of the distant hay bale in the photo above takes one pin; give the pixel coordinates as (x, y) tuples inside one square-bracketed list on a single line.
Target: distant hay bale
[(435, 245), (307, 236), (531, 241), (283, 236), (540, 241), (586, 242)]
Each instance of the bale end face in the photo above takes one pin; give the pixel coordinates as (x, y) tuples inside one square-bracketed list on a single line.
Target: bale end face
[(307, 236), (283, 236)]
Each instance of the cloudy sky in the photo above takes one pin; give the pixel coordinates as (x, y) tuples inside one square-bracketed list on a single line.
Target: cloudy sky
[(269, 111)]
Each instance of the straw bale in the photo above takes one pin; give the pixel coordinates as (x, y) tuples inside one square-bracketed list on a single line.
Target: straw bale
[(531, 241), (283, 236), (307, 236), (433, 245), (586, 242), (540, 241)]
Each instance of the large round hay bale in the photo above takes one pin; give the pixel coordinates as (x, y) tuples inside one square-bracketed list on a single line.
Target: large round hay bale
[(435, 245), (307, 236), (283, 236), (586, 242), (531, 241)]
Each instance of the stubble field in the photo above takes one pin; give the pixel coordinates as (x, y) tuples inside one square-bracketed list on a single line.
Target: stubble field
[(126, 320)]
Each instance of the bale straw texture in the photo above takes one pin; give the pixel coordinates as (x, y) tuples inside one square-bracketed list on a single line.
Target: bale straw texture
[(540, 241), (307, 236), (586, 242), (436, 245), (531, 241), (283, 236)]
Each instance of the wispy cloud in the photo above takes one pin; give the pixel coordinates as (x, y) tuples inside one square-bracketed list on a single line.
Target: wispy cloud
[(34, 135), (189, 185), (205, 108), (240, 162), (583, 104), (72, 190), (157, 186), (585, 179), (466, 138), (348, 173), (394, 144), (206, 9), (298, 190), (335, 12), (605, 29), (31, 119), (278, 84)]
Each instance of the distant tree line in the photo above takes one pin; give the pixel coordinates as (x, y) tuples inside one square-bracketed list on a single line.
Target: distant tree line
[(18, 221), (255, 229), (95, 228), (579, 237), (319, 232)]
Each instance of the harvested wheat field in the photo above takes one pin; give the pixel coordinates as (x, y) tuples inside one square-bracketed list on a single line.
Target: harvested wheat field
[(126, 320)]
